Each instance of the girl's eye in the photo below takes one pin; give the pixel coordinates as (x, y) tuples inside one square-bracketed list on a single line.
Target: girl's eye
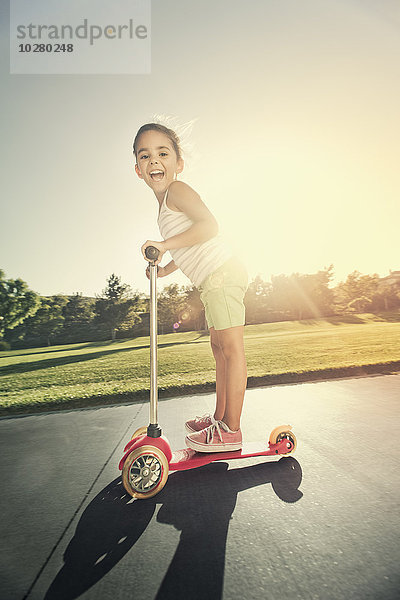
[(163, 153), (143, 156)]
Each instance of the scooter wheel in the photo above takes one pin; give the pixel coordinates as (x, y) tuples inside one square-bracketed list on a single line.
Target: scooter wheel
[(145, 472), (288, 435), (139, 432)]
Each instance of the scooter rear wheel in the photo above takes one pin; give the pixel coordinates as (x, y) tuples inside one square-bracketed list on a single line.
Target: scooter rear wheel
[(289, 435), (145, 472)]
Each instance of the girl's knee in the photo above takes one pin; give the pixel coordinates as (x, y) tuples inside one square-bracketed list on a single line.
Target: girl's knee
[(214, 340), (227, 343), (217, 351), (232, 348)]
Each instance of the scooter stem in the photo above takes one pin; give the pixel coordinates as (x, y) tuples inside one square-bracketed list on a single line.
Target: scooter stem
[(153, 429)]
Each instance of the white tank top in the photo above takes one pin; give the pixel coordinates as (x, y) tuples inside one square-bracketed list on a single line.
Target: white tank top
[(199, 260)]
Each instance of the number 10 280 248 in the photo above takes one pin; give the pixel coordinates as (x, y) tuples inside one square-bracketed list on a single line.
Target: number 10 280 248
[(46, 48)]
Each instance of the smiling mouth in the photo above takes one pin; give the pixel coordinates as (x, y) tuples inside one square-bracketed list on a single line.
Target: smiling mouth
[(157, 174)]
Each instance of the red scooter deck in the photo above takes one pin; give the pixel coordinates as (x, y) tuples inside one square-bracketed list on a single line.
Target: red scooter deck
[(189, 459)]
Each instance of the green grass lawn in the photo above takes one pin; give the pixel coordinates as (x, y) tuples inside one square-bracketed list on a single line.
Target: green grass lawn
[(105, 372)]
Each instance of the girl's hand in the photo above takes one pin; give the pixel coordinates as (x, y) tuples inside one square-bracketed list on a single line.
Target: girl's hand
[(159, 245), (160, 272)]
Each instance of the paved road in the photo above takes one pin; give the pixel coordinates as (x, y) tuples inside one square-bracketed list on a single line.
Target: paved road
[(321, 525)]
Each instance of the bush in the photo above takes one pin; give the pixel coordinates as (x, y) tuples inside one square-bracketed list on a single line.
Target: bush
[(4, 345)]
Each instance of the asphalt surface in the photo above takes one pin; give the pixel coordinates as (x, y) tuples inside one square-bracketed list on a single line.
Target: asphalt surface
[(323, 524)]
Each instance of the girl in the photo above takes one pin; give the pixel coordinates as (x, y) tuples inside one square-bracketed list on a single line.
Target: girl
[(190, 234)]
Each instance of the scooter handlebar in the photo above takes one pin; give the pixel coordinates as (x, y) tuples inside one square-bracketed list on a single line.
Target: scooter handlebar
[(152, 253)]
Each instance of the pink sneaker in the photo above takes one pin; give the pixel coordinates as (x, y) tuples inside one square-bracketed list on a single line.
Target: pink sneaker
[(199, 423), (216, 438)]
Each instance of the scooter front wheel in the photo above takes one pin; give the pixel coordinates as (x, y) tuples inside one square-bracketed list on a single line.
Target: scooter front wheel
[(139, 432), (145, 472)]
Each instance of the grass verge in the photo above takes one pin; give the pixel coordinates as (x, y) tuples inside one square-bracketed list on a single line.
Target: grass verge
[(94, 374)]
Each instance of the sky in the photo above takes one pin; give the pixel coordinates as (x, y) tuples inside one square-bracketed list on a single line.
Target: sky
[(295, 145)]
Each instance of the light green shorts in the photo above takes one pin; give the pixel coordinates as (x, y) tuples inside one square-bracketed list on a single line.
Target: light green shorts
[(222, 294)]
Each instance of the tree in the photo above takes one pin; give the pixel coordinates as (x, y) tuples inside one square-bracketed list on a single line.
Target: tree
[(360, 305), (78, 310), (310, 295), (171, 305), (17, 302), (323, 295), (46, 323), (386, 298), (303, 296), (116, 307), (257, 300), (280, 294), (357, 286), (195, 313), (79, 325)]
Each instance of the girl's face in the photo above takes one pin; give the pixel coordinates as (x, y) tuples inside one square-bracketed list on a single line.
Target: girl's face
[(157, 162)]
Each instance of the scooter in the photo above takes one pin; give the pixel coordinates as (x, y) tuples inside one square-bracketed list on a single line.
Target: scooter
[(148, 457)]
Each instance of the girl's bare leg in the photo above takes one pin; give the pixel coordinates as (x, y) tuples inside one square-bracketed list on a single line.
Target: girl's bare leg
[(220, 375), (231, 343)]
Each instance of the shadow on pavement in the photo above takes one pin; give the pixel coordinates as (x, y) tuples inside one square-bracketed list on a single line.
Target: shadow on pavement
[(199, 503)]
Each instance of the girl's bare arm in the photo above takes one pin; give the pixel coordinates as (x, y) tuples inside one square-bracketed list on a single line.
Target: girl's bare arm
[(204, 225), (170, 267), (163, 271)]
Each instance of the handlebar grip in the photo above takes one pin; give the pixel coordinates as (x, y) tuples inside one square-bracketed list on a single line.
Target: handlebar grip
[(152, 253)]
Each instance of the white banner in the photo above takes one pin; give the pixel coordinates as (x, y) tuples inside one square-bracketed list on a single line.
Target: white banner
[(80, 37)]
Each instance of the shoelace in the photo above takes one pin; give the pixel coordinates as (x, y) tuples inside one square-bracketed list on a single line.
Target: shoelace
[(211, 430), (204, 418)]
